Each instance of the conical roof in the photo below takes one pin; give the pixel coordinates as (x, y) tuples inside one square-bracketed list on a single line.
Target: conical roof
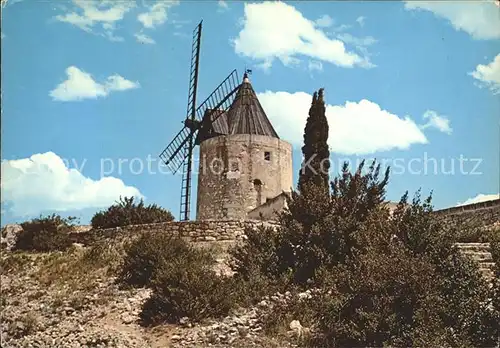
[(246, 115)]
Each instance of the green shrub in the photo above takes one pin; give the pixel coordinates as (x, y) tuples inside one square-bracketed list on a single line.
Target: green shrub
[(407, 286), (257, 266), (127, 212), (276, 320), (258, 255), (45, 234), (386, 280), (151, 252), (187, 290), (318, 229), (249, 291), (495, 252), (181, 277)]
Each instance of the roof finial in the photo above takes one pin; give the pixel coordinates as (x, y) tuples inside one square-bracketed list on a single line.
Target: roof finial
[(245, 75)]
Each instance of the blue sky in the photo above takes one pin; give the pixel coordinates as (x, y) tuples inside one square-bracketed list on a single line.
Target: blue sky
[(87, 84)]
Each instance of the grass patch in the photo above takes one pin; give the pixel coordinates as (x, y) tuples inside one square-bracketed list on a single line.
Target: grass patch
[(16, 262), (79, 269)]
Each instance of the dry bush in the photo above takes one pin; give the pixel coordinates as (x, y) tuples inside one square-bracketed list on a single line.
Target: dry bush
[(14, 262), (24, 325)]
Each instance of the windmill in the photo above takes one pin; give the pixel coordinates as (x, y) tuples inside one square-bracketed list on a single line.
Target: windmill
[(198, 123)]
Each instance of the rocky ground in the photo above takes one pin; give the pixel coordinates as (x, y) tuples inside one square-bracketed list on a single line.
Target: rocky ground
[(71, 299), (60, 300)]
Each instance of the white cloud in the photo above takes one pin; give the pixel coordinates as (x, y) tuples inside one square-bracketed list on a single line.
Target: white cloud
[(324, 21), (439, 122), (89, 13), (144, 39), (353, 40), (80, 85), (341, 28), (479, 19), (156, 15), (488, 75), (80, 21), (315, 65), (265, 65), (480, 198), (179, 23), (44, 182), (355, 128), (361, 20), (276, 30), (108, 26), (111, 37), (181, 35), (223, 6), (118, 83)]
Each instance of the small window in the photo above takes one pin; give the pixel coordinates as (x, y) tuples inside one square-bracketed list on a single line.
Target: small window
[(257, 184), (267, 156), (219, 151)]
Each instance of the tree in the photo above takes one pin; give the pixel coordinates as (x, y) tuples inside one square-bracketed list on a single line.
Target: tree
[(311, 202), (315, 150)]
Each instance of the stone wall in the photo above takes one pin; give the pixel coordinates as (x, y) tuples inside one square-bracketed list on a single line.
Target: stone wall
[(239, 172), (223, 231), (229, 231), (484, 214)]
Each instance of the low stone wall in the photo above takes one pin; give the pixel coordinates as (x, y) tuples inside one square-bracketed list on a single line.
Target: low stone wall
[(484, 214), (217, 236), (226, 232), (491, 204), (191, 231)]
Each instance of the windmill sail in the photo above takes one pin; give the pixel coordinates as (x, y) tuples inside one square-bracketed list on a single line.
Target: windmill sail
[(191, 111), (217, 103), (172, 156), (179, 152)]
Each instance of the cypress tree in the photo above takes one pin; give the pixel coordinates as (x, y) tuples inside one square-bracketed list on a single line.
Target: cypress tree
[(316, 163)]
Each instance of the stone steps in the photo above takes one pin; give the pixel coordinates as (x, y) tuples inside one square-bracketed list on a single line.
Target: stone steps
[(479, 252), (480, 256), (486, 265), (473, 246)]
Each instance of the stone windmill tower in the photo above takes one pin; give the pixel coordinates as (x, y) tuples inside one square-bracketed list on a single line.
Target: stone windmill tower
[(245, 169)]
